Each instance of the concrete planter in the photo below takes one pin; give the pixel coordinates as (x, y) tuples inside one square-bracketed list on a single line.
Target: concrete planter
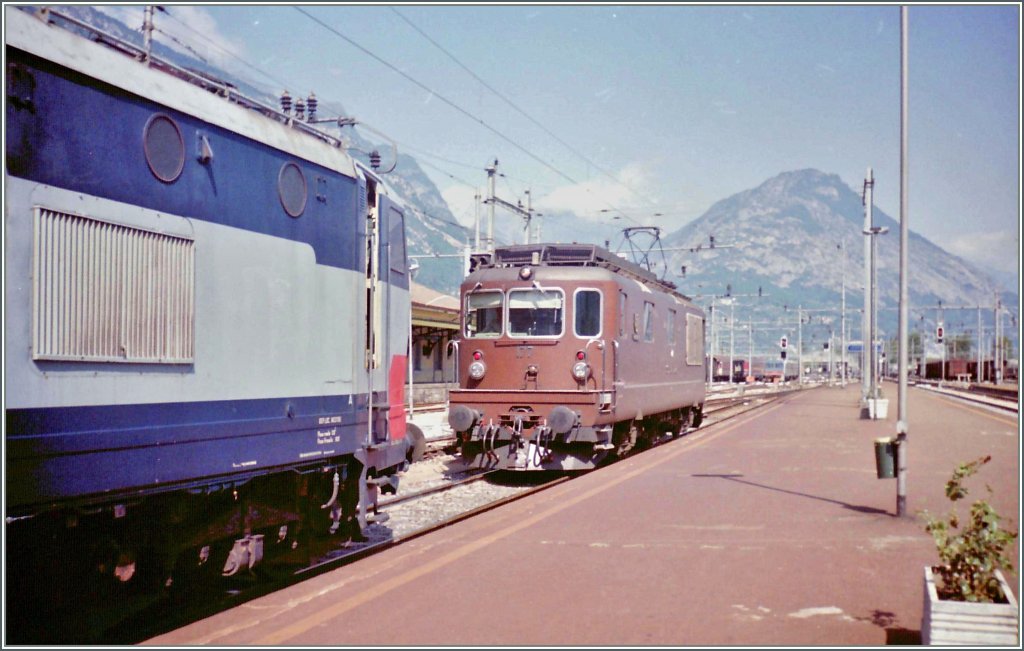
[(878, 408), (965, 623)]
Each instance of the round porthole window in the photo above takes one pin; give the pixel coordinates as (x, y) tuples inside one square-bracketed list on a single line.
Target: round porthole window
[(164, 147), (291, 186)]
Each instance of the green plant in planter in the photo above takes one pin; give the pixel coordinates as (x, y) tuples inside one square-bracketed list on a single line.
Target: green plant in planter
[(971, 554)]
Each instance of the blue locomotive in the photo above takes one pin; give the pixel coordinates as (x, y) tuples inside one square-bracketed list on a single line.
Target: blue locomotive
[(206, 319)]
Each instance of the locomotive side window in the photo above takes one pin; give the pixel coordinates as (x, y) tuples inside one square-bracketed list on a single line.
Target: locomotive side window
[(648, 321), (164, 148), (694, 340), (671, 327), (291, 189), (535, 312), (587, 311), (484, 314)]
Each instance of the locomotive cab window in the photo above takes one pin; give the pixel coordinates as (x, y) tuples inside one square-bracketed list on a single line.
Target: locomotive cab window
[(484, 314), (535, 312), (587, 311)]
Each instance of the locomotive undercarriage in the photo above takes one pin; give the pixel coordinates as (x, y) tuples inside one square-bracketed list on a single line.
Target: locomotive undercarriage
[(91, 567), (518, 443)]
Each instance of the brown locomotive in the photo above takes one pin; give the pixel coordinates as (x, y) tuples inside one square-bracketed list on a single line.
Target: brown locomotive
[(570, 354)]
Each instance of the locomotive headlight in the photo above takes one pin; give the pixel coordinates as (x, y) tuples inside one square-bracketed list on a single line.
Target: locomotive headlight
[(580, 371), (477, 369)]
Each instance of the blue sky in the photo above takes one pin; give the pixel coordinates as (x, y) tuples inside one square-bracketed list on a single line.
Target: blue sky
[(667, 109)]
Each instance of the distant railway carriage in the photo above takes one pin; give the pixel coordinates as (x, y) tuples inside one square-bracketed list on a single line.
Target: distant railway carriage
[(960, 368), (206, 321), (570, 353)]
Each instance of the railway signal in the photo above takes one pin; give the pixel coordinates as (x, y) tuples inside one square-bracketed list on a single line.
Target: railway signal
[(783, 342), (939, 331)]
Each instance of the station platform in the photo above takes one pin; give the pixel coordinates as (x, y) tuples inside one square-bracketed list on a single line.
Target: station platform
[(767, 529)]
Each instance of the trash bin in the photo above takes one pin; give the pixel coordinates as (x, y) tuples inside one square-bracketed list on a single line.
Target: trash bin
[(885, 456)]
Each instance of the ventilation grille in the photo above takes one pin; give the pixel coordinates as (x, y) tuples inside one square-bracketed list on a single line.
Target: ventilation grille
[(570, 254), (110, 293)]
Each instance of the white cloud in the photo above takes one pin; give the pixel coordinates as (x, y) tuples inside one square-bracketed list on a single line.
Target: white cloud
[(190, 25), (999, 250), (589, 198)]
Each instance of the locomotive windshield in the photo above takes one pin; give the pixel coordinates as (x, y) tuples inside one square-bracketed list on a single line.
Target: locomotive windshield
[(535, 312), (484, 314)]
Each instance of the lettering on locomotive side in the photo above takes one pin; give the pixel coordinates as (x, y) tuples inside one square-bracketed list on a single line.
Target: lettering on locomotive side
[(329, 420), (244, 464), (326, 437)]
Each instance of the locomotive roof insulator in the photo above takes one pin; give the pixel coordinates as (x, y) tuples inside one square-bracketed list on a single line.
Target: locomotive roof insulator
[(311, 105)]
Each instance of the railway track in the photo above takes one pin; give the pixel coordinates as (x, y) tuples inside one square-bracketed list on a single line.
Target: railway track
[(1000, 398), (457, 497)]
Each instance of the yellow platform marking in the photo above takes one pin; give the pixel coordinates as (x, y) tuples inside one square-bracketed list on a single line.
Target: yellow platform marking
[(323, 616), (951, 400)]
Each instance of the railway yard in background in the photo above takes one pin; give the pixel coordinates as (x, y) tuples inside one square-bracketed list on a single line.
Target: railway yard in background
[(766, 527)]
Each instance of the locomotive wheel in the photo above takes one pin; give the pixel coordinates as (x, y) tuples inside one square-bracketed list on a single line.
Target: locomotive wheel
[(698, 416), (686, 421), (628, 440)]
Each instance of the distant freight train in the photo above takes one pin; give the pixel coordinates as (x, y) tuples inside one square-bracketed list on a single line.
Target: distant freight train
[(571, 354)]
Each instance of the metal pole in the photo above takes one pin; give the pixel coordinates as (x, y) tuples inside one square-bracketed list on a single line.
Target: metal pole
[(831, 365), (874, 316), (800, 346), (476, 222), (711, 354), (998, 375), (942, 322), (979, 345), (147, 31), (865, 367), (902, 423), (491, 173), (842, 328), (529, 217), (750, 357), (732, 331)]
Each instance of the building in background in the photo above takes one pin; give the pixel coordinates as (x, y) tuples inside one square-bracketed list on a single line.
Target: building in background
[(435, 323)]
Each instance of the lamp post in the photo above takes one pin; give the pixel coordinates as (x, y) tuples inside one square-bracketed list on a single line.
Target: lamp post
[(865, 367), (842, 329), (873, 318)]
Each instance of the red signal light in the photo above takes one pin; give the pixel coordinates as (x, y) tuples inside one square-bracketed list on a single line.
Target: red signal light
[(477, 355), (580, 355)]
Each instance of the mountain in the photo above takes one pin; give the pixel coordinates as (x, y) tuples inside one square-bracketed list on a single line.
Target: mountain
[(430, 225), (788, 237)]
